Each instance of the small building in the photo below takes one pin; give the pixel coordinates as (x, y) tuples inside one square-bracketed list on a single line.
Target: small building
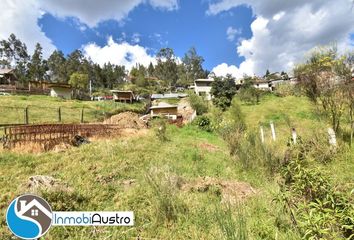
[(202, 87), (61, 90), (263, 85), (7, 77), (123, 96), (165, 110)]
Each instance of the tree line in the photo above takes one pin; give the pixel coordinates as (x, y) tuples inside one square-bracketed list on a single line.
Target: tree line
[(168, 72)]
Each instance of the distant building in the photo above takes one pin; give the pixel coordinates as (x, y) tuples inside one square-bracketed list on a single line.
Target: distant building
[(123, 96), (168, 96), (165, 110), (7, 77), (202, 87), (61, 90)]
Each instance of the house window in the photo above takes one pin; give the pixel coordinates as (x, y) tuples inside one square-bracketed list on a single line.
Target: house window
[(34, 212)]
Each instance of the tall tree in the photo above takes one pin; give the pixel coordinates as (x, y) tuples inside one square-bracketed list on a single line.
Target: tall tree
[(193, 65), (223, 90), (166, 68), (56, 65), (73, 63), (37, 67), (151, 70), (13, 53)]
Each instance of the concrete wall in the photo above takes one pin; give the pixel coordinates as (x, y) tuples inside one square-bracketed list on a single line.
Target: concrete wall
[(165, 112), (61, 92)]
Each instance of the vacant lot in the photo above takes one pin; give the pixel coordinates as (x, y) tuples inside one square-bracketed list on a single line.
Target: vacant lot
[(176, 187)]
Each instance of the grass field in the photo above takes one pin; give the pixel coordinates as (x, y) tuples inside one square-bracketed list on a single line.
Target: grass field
[(95, 173), (44, 109)]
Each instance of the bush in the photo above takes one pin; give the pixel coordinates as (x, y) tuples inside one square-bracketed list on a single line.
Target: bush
[(198, 103), (316, 207), (250, 95), (160, 129), (203, 122), (284, 90)]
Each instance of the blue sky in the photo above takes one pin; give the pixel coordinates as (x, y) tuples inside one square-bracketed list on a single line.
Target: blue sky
[(188, 26), (234, 36)]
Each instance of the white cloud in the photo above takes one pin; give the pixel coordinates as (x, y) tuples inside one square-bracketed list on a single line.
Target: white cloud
[(118, 53), (223, 69), (284, 31), (91, 12), (136, 38), (232, 32), (21, 17)]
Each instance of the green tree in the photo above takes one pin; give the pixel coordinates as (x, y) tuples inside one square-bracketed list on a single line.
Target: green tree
[(223, 90), (74, 63), (248, 93), (151, 70), (193, 66), (166, 68), (56, 66), (13, 53), (79, 81), (323, 79), (37, 67)]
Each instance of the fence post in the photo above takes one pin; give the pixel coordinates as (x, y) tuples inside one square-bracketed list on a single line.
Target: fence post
[(273, 131), (262, 134), (82, 115), (332, 137), (294, 135), (59, 114), (26, 115)]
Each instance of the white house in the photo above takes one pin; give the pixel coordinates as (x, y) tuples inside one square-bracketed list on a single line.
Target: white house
[(202, 87), (61, 90)]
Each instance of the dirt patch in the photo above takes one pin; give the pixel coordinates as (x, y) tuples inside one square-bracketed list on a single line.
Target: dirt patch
[(231, 192), (126, 120), (36, 184), (209, 147), (61, 147)]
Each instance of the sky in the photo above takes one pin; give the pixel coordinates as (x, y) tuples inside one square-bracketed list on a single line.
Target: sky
[(233, 36)]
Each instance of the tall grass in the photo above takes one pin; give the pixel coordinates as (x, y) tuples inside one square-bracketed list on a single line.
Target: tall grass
[(233, 226)]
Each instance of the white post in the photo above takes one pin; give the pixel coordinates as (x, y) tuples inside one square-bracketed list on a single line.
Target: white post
[(273, 131), (332, 137), (294, 136), (262, 134), (90, 88)]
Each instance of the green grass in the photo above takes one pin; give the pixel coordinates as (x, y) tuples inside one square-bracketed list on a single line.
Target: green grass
[(44, 109), (195, 215)]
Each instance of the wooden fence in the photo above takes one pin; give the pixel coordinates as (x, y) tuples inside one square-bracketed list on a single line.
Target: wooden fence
[(49, 135)]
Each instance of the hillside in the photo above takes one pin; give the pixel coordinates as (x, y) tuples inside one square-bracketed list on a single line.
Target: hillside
[(155, 178)]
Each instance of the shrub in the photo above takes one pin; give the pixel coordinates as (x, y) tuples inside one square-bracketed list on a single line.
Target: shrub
[(284, 90), (250, 95), (160, 129), (203, 122), (316, 207), (198, 103)]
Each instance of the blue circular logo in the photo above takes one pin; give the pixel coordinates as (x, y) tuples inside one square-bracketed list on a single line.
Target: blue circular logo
[(29, 216)]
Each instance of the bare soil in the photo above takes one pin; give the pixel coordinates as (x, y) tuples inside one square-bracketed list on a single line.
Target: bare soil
[(231, 192), (126, 120)]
